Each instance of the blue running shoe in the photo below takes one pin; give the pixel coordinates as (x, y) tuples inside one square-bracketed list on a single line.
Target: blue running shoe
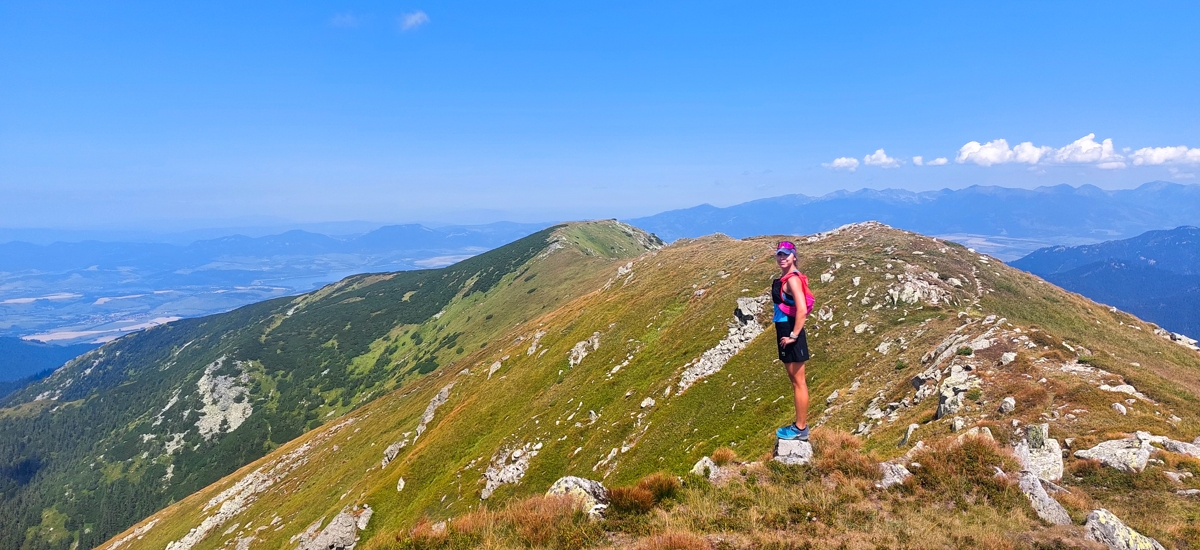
[(792, 432)]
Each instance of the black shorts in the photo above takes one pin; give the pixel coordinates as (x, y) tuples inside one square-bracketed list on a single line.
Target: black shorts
[(796, 352)]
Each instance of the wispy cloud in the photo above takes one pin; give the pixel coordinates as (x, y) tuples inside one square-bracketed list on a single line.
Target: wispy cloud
[(345, 20), (413, 20), (849, 164), (880, 159), (940, 161)]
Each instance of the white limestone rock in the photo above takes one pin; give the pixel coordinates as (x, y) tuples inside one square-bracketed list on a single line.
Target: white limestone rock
[(1007, 405), (1119, 408), (443, 395), (1107, 529), (742, 330), (592, 496), (1007, 357), (894, 473), (1128, 455), (1039, 453), (1046, 507), (951, 392), (705, 467), (793, 451), (342, 531), (582, 348)]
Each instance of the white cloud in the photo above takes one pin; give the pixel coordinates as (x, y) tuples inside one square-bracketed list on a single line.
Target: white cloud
[(940, 161), (413, 20), (919, 161), (1084, 150), (345, 20), (1166, 155), (842, 163), (987, 154), (880, 159), (1176, 173)]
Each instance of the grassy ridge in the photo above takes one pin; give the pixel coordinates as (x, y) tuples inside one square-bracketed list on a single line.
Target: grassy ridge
[(652, 320)]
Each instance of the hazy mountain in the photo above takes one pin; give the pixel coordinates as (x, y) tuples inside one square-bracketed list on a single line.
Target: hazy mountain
[(94, 291), (1155, 276), (20, 358), (1005, 222)]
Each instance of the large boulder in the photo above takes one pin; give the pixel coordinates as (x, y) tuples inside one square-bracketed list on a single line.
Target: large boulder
[(1039, 453), (592, 496), (1107, 529), (1128, 455), (1046, 507), (341, 533), (793, 451)]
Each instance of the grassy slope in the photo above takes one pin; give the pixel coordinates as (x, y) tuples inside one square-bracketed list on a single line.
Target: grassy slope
[(655, 315), (308, 358)]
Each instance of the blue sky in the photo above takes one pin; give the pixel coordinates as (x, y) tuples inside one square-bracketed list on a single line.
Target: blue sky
[(163, 115)]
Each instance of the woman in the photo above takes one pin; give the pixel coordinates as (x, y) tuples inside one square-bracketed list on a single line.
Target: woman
[(790, 314)]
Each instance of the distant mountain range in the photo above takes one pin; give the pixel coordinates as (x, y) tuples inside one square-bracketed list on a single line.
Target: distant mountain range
[(1155, 276), (1007, 223), (94, 291)]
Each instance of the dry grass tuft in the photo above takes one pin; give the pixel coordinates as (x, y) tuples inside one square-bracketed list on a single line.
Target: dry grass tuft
[(965, 473), (630, 500), (539, 522), (660, 485), (675, 540), (841, 452), (724, 456)]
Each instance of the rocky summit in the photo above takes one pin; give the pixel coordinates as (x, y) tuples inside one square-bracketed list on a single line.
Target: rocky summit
[(956, 402)]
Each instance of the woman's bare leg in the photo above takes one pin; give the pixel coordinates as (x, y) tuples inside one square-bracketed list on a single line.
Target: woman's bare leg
[(800, 393)]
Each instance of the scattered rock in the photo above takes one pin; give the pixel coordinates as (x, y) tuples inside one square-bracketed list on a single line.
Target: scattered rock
[(400, 485), (1046, 507), (1119, 408), (952, 390), (1007, 405), (893, 474), (591, 495), (957, 424), (743, 330), (1128, 455), (1190, 449), (1178, 477), (793, 451), (705, 467), (226, 399), (342, 531), (977, 431), (908, 434), (1188, 492), (581, 349), (1008, 357), (390, 453), (443, 395), (832, 397), (1039, 453), (647, 402), (508, 466), (827, 277), (861, 328), (1104, 527)]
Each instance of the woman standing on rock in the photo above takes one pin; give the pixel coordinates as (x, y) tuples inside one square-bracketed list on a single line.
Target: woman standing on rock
[(790, 314)]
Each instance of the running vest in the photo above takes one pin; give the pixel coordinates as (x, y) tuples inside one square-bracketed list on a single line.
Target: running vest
[(785, 304)]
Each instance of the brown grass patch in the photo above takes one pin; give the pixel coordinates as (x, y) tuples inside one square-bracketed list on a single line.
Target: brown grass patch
[(675, 540), (660, 485), (965, 473), (841, 452), (630, 500), (724, 456)]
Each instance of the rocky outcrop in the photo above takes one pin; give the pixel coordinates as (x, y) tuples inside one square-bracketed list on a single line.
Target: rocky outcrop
[(592, 496), (582, 348), (443, 395), (1046, 507), (341, 533), (226, 399), (952, 391), (793, 451), (508, 466), (1107, 529), (743, 330), (1039, 453), (1128, 455)]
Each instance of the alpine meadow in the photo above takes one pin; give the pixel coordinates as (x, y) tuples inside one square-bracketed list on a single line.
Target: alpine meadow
[(941, 381)]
